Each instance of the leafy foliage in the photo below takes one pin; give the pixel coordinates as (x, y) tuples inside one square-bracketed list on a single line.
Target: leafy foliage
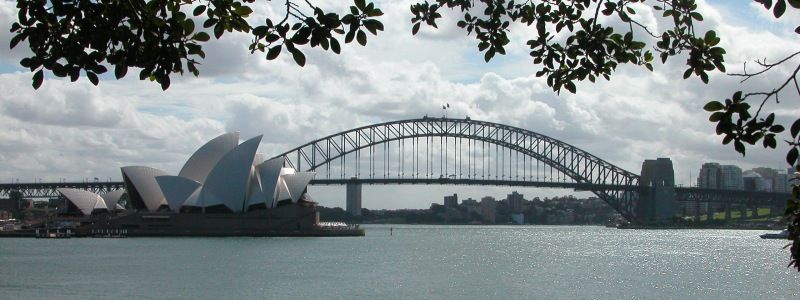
[(572, 43), (737, 124), (159, 38)]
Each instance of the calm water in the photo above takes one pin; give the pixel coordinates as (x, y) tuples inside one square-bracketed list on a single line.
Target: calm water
[(455, 262)]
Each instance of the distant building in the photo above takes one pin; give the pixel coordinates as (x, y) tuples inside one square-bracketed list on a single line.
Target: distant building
[(488, 209), (469, 202), (451, 201), (515, 201), (778, 178), (716, 176), (731, 177), (709, 176), (753, 181)]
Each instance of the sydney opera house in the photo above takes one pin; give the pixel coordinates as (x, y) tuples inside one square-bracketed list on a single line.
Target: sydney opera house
[(225, 188)]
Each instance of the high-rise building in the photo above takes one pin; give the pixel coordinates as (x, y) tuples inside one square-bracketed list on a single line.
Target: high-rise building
[(469, 202), (451, 201), (781, 183), (709, 176), (488, 209), (753, 181), (731, 178), (515, 202), (779, 179), (715, 176)]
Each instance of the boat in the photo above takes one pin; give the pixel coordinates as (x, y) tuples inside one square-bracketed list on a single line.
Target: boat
[(784, 234)]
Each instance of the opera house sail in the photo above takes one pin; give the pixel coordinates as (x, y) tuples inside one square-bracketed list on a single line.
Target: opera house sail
[(224, 189)]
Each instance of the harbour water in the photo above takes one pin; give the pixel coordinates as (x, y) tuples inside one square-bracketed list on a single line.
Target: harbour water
[(415, 261)]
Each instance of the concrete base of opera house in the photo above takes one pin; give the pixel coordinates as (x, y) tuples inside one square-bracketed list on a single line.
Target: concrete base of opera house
[(285, 220)]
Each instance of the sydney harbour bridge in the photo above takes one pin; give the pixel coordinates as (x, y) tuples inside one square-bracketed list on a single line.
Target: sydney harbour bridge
[(448, 151)]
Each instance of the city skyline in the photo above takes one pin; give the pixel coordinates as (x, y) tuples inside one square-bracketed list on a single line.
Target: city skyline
[(65, 126)]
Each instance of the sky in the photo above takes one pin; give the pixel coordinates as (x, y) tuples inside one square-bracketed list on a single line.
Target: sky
[(74, 130)]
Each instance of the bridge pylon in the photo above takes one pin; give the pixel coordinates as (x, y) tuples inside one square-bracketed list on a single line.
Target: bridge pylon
[(656, 202), (354, 199)]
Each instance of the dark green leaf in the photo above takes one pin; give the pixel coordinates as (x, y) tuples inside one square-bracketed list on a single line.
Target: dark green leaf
[(791, 156), (199, 10), (16, 39), (164, 81), (488, 55), (38, 78), (795, 129), (93, 77), (360, 4), (361, 37), (335, 47), (298, 56), (738, 146), (715, 117), (120, 70), (780, 8), (219, 29), (243, 11), (188, 27), (274, 52), (415, 29), (713, 106), (201, 37)]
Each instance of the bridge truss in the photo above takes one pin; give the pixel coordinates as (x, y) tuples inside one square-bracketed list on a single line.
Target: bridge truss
[(42, 190), (461, 151)]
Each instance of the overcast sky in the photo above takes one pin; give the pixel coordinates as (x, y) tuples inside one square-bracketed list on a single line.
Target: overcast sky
[(76, 130)]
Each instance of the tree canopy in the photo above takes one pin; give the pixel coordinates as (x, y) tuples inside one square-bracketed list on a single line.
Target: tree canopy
[(573, 40)]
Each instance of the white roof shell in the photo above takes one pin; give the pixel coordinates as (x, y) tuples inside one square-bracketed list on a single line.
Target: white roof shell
[(176, 189), (206, 157), (144, 183), (228, 181), (256, 194), (112, 198), (269, 173), (283, 192), (86, 201), (297, 183)]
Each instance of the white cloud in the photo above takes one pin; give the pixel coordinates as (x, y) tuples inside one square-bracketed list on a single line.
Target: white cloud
[(76, 130)]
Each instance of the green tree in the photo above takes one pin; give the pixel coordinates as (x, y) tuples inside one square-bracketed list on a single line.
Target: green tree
[(160, 38), (574, 40)]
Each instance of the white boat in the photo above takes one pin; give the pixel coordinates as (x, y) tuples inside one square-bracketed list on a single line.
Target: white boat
[(784, 234)]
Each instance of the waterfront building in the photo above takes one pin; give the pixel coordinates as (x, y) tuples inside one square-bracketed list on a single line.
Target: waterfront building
[(222, 176), (515, 202), (224, 189), (451, 201), (489, 209)]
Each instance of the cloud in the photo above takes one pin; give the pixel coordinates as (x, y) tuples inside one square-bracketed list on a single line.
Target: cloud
[(77, 130)]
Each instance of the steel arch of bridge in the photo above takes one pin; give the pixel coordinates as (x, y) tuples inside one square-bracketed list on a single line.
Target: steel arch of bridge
[(611, 183)]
